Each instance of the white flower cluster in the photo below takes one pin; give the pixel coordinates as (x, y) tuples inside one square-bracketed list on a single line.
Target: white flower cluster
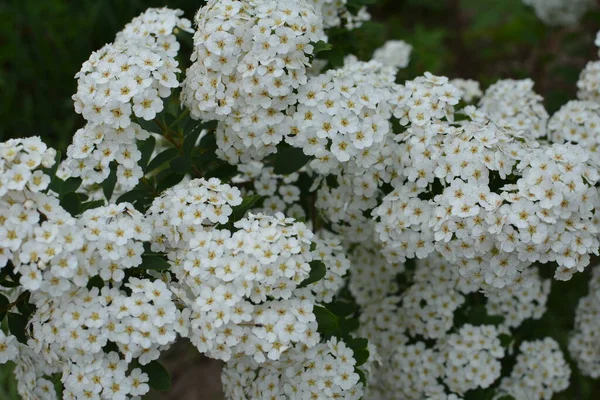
[(589, 82), (513, 105), (413, 373), (372, 277), (72, 329), (249, 58), (62, 253), (21, 164), (540, 371), (502, 205), (578, 122), (180, 216), (382, 322), (31, 372), (471, 358), (394, 53), (94, 147), (343, 114), (424, 99), (133, 73), (560, 12), (241, 288), (469, 89), (281, 192), (335, 13), (429, 303), (325, 371), (518, 303), (583, 343), (329, 250)]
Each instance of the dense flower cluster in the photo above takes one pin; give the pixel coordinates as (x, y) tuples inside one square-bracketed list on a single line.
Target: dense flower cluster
[(249, 58), (95, 147), (394, 53), (430, 302), (519, 303), (133, 73), (540, 372), (372, 277), (280, 192), (495, 214), (324, 371), (589, 82), (335, 13), (129, 76), (560, 12), (513, 105), (344, 115), (583, 343), (578, 122), (74, 328), (471, 358), (21, 167), (469, 89), (424, 99)]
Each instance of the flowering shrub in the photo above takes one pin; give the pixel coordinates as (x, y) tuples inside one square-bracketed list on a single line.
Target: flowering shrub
[(322, 227)]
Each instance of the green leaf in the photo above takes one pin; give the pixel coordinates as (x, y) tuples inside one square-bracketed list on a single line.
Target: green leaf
[(191, 138), (181, 165), (154, 262), (72, 203), (3, 305), (158, 376), (321, 46), (88, 205), (362, 377), (507, 397), (134, 195), (108, 186), (146, 147), (168, 180), (348, 325), (327, 322), (95, 281), (247, 203), (342, 308), (317, 272), (289, 160), (71, 185), (161, 158), (361, 356), (17, 325)]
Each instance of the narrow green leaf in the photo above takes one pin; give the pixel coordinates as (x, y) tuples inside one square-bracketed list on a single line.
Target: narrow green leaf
[(108, 186), (342, 308), (181, 165), (163, 157), (146, 147), (17, 325), (88, 205), (72, 203), (168, 180), (247, 203), (191, 138), (3, 305), (71, 185), (361, 356), (154, 262), (327, 321), (158, 376), (317, 272), (289, 160), (321, 46)]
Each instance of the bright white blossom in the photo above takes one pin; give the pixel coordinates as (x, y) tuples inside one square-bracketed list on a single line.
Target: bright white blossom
[(540, 372), (560, 12)]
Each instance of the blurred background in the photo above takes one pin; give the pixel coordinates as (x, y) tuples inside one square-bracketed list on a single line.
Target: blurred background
[(44, 42)]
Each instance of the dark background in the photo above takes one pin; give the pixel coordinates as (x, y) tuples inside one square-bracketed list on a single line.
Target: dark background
[(44, 42)]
